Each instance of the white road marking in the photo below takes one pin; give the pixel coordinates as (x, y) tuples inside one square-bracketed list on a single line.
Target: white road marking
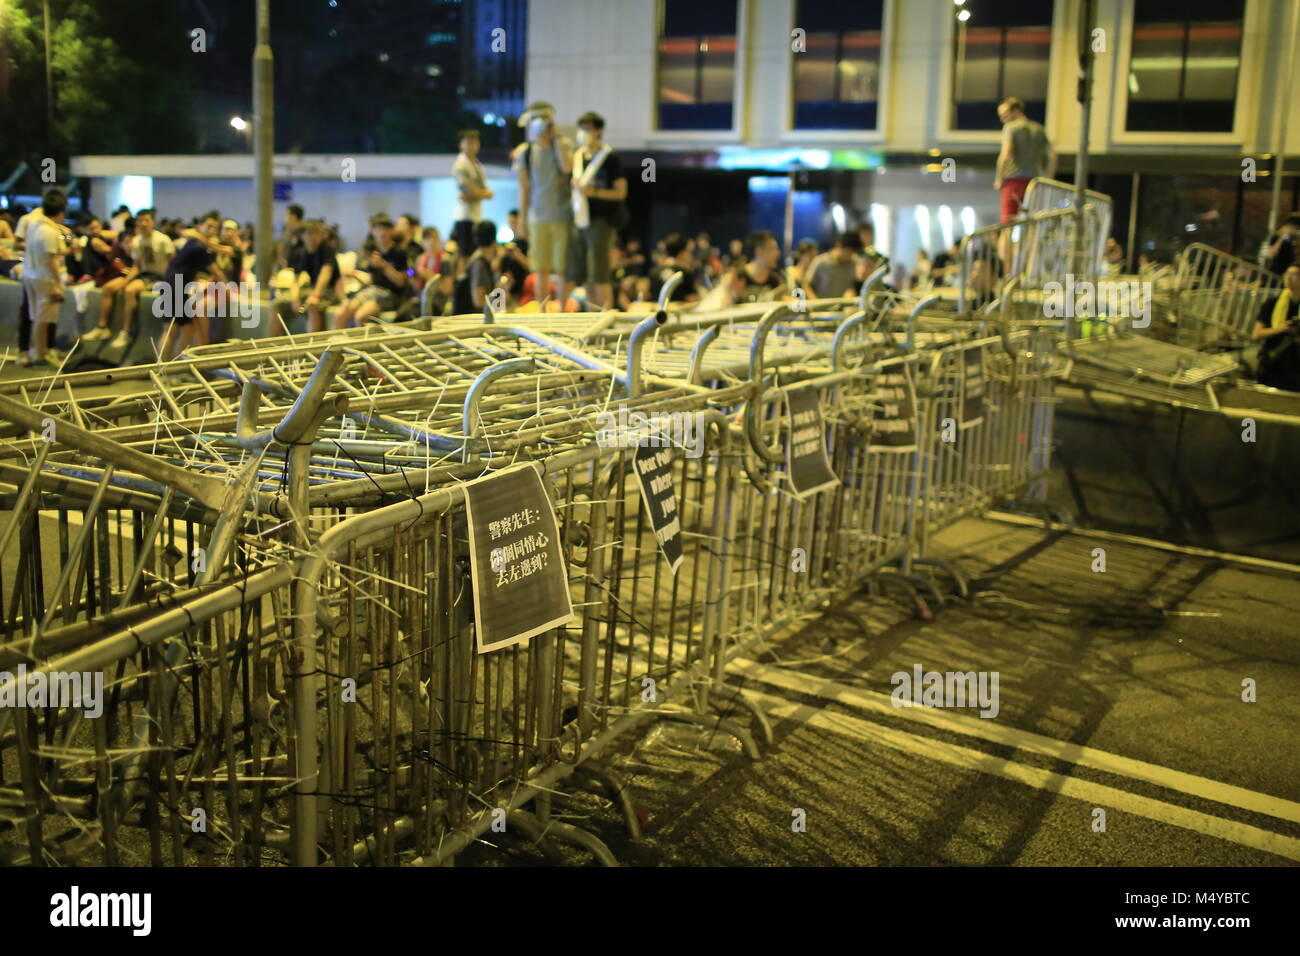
[(1094, 794), (994, 732)]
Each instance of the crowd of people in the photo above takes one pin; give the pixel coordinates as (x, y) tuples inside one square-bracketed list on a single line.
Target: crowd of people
[(564, 240), (562, 251)]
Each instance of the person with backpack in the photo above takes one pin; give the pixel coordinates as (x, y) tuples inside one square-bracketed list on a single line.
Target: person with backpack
[(544, 164), (599, 208)]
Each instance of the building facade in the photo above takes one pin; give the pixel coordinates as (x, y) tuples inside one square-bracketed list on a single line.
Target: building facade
[(1185, 107)]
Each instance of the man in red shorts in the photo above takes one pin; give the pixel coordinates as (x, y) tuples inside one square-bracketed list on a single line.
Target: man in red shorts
[(1026, 153)]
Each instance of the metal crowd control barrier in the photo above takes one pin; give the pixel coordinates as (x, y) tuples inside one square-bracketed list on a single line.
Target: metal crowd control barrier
[(1011, 267), (1148, 369), (1044, 195), (1217, 297), (313, 684)]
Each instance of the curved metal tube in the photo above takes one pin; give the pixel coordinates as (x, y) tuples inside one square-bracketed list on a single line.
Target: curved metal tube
[(666, 292), (636, 342), (425, 292), (754, 407), (912, 316), (841, 334), (476, 390), (303, 417), (303, 413), (701, 345), (1006, 292), (869, 283)]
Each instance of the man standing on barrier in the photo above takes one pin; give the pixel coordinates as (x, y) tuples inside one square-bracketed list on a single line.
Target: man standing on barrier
[(1026, 153)]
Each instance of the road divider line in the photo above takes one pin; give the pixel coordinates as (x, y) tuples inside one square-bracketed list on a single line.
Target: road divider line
[(1094, 794), (990, 730)]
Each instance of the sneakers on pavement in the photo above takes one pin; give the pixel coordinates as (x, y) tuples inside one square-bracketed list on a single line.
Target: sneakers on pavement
[(97, 333), (121, 340)]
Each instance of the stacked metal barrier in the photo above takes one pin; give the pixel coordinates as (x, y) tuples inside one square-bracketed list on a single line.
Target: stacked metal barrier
[(264, 549), (1217, 297)]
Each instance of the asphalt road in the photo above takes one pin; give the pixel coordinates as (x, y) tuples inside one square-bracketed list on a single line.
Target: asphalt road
[(1120, 691)]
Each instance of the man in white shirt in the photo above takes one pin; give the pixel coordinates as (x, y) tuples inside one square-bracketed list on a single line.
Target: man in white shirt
[(471, 190), (43, 282), (150, 253)]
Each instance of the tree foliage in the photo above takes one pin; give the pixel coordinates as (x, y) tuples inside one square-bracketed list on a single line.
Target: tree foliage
[(119, 76)]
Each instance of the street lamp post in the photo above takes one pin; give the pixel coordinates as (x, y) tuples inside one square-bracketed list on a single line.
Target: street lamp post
[(49, 83), (1087, 16), (264, 151), (1279, 138)]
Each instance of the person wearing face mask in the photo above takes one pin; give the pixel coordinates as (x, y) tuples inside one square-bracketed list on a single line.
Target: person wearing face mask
[(544, 164), (599, 191)]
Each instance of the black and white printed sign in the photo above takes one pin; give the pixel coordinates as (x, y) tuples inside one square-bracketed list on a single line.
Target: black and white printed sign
[(654, 474), (805, 452), (894, 425), (521, 587), (972, 388)]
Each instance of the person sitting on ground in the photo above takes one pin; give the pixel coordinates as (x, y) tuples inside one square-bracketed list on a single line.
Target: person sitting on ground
[(634, 261), (1279, 249), (102, 261), (406, 234), (634, 294), (480, 278), (315, 272), (194, 265), (442, 293), (1277, 330), (920, 280), (426, 266), (678, 258), (291, 239), (762, 270), (946, 268), (516, 265), (835, 273), (804, 255), (6, 237), (389, 284), (151, 251)]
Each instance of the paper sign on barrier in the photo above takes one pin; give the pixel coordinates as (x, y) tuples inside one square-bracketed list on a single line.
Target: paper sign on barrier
[(972, 394), (894, 426), (654, 473), (521, 586), (808, 467)]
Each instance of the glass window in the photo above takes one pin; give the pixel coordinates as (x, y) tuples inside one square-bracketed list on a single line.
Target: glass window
[(999, 50), (697, 65), (837, 75), (1184, 64)]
